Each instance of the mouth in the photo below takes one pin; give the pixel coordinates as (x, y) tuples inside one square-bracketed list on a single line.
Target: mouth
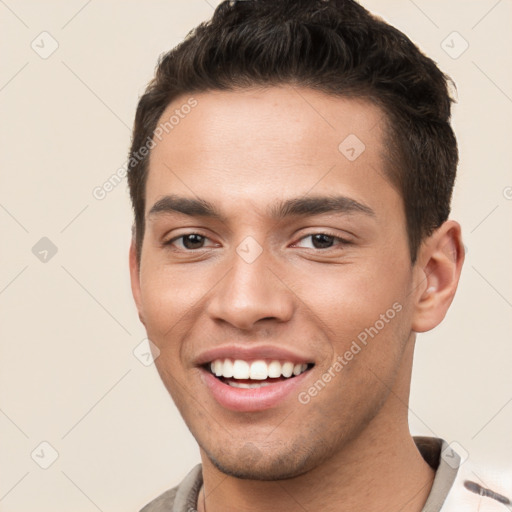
[(253, 385), (242, 374)]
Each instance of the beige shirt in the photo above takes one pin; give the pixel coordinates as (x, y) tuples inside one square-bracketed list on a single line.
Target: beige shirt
[(470, 495)]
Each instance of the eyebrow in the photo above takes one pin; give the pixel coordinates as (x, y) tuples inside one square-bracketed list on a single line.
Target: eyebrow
[(295, 207)]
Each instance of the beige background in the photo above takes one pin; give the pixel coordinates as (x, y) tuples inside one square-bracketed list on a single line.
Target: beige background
[(68, 375)]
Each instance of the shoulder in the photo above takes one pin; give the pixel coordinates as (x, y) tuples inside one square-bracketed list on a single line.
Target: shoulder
[(182, 498), (163, 503), (479, 488)]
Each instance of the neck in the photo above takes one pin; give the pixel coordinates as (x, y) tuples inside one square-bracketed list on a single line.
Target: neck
[(380, 470)]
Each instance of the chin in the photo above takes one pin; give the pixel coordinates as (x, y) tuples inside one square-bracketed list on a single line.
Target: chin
[(265, 464)]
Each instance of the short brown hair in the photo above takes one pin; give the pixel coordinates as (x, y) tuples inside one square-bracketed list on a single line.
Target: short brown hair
[(334, 46)]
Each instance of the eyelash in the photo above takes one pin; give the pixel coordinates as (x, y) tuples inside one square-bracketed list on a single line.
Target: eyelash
[(341, 241)]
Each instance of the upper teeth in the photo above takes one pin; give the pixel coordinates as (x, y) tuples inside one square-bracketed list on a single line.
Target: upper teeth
[(257, 370)]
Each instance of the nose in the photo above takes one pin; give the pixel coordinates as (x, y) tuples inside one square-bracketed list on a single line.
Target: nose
[(251, 292)]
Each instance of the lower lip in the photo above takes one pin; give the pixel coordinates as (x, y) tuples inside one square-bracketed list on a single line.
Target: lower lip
[(253, 399)]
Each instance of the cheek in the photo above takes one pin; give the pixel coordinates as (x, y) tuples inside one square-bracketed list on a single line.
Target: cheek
[(169, 288), (362, 311), (349, 296), (164, 300), (173, 301)]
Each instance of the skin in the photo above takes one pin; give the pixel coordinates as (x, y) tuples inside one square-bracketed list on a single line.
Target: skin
[(349, 448)]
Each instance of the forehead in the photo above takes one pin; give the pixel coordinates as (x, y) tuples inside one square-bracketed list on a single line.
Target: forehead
[(255, 144), (272, 116)]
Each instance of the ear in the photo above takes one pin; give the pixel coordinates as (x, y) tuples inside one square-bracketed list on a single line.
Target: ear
[(135, 279), (436, 275)]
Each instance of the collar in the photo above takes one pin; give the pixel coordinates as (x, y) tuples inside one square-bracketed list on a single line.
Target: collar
[(436, 452)]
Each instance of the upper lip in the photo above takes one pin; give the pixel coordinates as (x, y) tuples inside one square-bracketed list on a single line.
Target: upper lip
[(253, 353)]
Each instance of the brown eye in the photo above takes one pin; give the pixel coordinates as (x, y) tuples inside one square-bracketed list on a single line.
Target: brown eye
[(321, 241), (193, 241), (189, 241)]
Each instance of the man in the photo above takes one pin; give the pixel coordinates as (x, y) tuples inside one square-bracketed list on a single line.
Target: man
[(291, 173)]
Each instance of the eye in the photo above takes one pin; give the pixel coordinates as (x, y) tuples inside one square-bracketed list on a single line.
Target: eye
[(188, 241), (322, 241), (193, 241)]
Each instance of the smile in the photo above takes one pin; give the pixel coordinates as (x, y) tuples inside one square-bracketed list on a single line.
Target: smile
[(249, 386), (255, 370)]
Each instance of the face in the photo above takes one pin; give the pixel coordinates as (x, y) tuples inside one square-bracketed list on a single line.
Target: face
[(274, 244)]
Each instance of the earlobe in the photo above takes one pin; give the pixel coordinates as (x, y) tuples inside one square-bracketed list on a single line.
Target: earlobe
[(135, 280), (439, 265)]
